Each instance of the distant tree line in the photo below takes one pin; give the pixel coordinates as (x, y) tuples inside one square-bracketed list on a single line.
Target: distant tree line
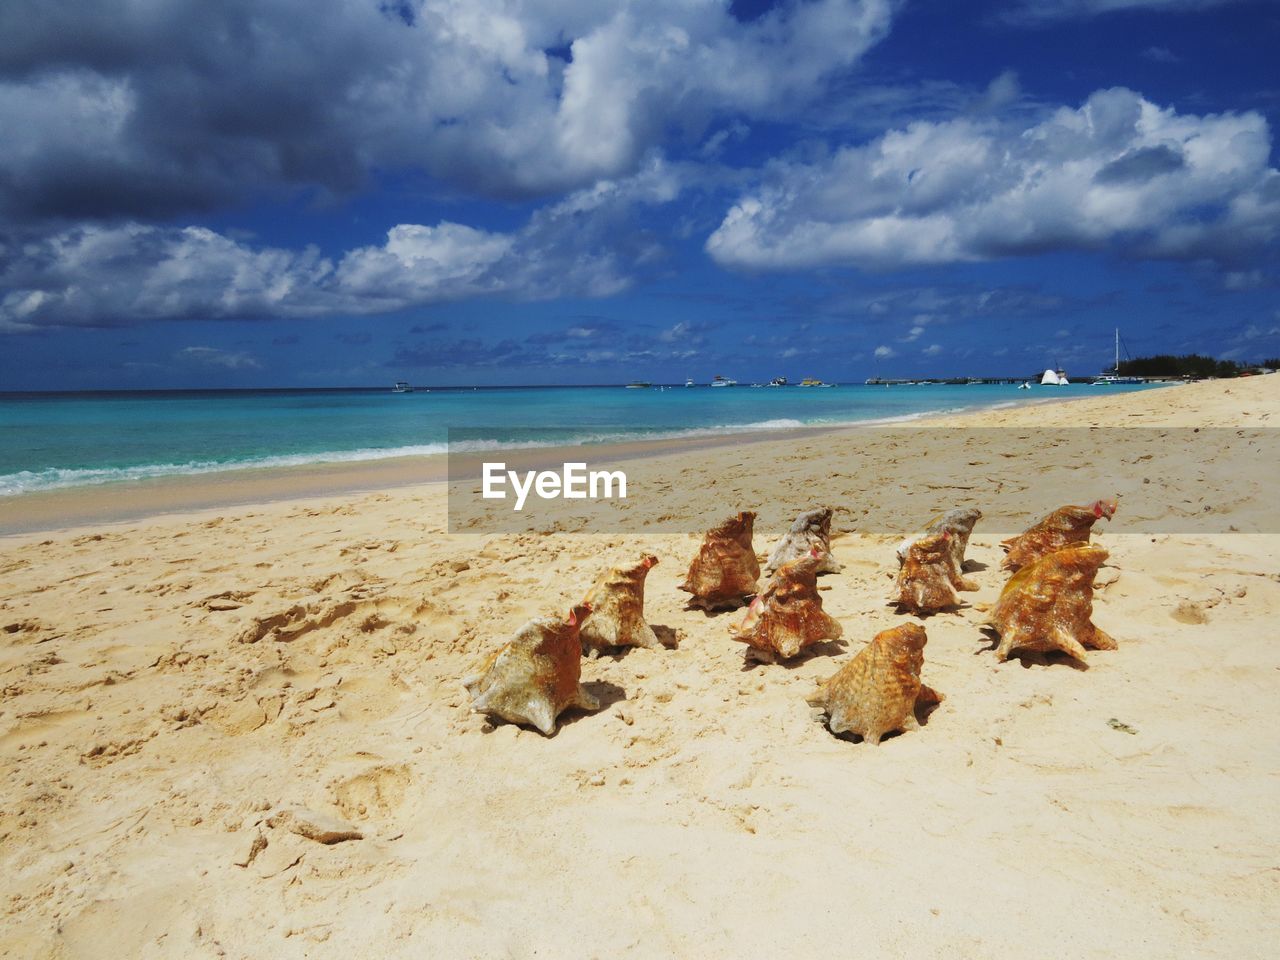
[(1189, 365)]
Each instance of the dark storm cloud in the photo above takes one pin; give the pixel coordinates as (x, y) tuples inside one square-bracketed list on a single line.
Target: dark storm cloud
[(144, 110)]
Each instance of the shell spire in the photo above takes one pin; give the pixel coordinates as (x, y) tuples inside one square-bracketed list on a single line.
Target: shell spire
[(878, 690), (535, 677), (725, 570), (617, 609), (1066, 527), (788, 616), (925, 583), (959, 523), (1048, 605), (811, 531)]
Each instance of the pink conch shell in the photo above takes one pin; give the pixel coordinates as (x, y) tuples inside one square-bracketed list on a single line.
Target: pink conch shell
[(1065, 527), (812, 530), (726, 570), (788, 615), (877, 691), (534, 678), (959, 523), (1048, 605), (617, 610), (924, 580)]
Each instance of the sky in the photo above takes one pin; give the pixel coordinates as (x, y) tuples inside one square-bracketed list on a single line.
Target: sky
[(309, 193)]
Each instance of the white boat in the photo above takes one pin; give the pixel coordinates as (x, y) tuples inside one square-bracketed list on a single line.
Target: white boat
[(1109, 379), (689, 383), (778, 382), (1054, 378), (639, 385), (402, 386), (719, 381), (1025, 385)]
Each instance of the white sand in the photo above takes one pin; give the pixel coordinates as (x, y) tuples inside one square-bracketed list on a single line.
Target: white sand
[(701, 813)]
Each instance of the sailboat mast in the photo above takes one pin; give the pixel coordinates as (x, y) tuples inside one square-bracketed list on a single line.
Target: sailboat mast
[(1117, 366)]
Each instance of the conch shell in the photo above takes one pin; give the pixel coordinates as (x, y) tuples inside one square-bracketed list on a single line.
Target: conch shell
[(726, 570), (878, 690), (1065, 527), (1048, 605), (788, 615), (812, 530), (959, 523), (617, 610), (534, 678), (925, 577)]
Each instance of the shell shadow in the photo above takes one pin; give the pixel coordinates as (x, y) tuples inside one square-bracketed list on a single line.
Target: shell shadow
[(711, 613), (667, 636), (1030, 658), (954, 610), (607, 693), (827, 648), (923, 711)]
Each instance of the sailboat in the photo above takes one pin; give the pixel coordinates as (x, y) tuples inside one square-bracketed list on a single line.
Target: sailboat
[(1107, 379)]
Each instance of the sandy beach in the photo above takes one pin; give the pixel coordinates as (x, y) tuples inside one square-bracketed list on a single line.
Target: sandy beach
[(187, 697)]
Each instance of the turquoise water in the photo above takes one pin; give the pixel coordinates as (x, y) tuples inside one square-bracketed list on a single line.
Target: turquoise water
[(60, 440)]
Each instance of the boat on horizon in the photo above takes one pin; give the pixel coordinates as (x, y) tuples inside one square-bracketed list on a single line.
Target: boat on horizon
[(689, 382), (811, 382), (402, 386), (719, 381), (1112, 378), (639, 385), (778, 382)]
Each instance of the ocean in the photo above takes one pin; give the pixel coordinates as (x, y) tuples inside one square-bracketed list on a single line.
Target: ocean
[(52, 440)]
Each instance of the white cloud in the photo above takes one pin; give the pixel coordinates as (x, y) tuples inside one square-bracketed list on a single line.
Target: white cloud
[(932, 350), (1160, 55), (214, 357), (1119, 169), (133, 273), (1032, 10), (883, 352)]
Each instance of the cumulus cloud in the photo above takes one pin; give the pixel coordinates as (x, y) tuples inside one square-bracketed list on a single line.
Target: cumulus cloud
[(1119, 170), (932, 350), (883, 352), (97, 275), (147, 109)]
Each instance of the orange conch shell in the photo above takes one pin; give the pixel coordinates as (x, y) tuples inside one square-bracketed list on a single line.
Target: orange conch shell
[(811, 531), (877, 691), (925, 578), (959, 523), (1065, 527), (617, 609), (788, 615), (534, 678), (726, 570), (1048, 605)]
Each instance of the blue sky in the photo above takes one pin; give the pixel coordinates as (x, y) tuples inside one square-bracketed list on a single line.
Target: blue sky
[(350, 192)]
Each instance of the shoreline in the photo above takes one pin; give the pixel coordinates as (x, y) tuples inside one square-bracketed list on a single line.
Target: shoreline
[(124, 501)]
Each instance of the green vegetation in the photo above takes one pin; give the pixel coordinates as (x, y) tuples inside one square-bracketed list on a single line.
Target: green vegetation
[(1189, 365)]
